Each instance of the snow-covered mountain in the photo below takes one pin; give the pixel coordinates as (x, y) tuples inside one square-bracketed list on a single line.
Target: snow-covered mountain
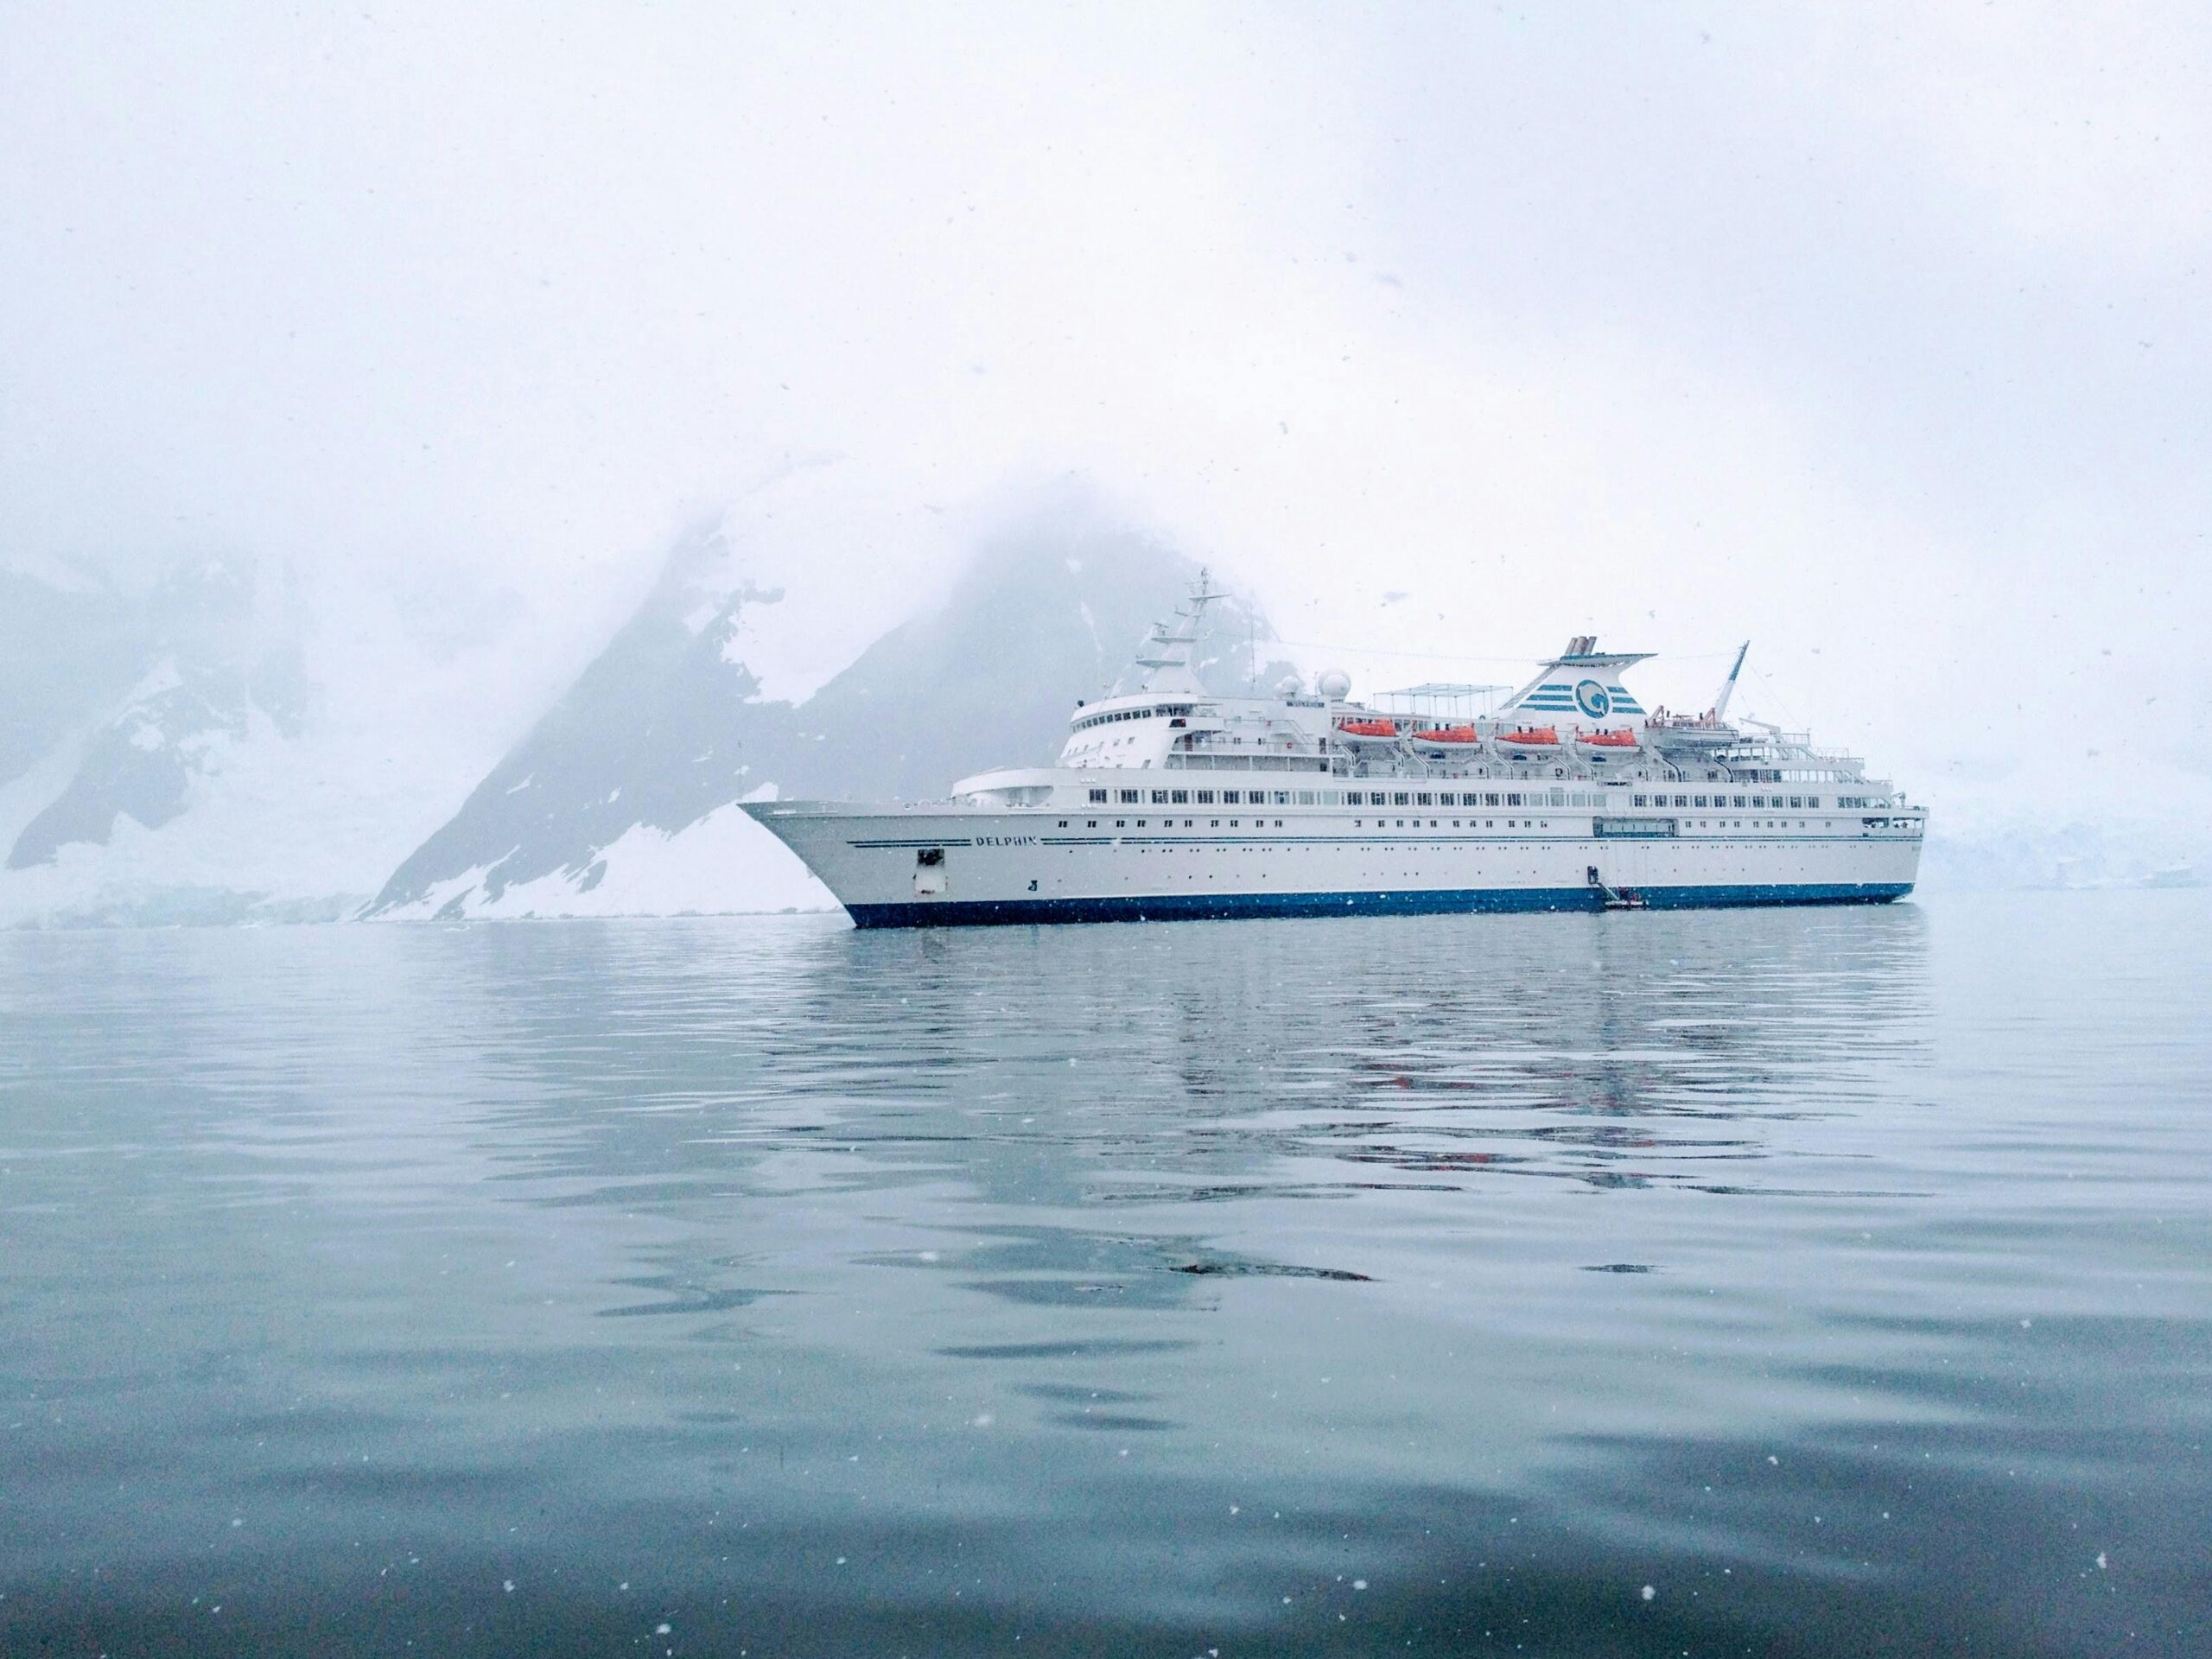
[(118, 714), (221, 745), (622, 799)]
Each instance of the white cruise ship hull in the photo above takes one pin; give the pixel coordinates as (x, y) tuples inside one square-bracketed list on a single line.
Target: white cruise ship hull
[(955, 866)]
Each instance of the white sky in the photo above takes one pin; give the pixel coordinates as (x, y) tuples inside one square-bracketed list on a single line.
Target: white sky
[(1878, 334)]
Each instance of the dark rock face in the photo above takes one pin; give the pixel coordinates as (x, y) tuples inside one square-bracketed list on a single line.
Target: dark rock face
[(187, 648), (142, 765), (659, 730), (665, 728)]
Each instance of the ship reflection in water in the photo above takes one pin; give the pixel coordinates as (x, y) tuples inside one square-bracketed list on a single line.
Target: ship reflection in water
[(1797, 1280)]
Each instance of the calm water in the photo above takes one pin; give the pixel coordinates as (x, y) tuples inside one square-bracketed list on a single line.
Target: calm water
[(1827, 1281)]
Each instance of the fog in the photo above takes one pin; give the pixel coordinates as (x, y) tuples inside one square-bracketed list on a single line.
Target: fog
[(1875, 335)]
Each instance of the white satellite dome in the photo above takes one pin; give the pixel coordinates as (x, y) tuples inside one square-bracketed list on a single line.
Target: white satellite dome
[(1289, 686), (1334, 684)]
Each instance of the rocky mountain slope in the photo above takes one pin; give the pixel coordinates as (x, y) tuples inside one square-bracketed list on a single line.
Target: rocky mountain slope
[(622, 798), (118, 714)]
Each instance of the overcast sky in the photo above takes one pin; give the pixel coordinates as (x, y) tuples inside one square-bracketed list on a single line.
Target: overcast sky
[(1875, 333)]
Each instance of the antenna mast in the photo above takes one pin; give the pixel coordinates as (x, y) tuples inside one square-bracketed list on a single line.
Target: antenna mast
[(1728, 686)]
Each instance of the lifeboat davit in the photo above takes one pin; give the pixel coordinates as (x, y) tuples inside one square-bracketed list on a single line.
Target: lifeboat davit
[(1462, 735), (1370, 729), (1622, 739), (1531, 737)]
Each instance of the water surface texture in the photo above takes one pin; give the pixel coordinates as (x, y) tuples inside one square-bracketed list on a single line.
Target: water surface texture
[(1773, 1282)]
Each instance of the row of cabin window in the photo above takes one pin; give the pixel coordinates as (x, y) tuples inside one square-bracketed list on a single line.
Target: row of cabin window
[(1336, 797), (1169, 823), (1380, 823), (1801, 802), (1203, 797)]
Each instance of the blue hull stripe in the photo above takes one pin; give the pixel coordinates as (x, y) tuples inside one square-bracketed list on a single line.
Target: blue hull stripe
[(1164, 907)]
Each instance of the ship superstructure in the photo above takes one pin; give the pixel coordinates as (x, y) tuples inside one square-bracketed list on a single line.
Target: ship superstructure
[(1172, 801)]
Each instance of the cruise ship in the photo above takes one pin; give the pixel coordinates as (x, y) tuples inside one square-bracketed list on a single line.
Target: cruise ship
[(1173, 802)]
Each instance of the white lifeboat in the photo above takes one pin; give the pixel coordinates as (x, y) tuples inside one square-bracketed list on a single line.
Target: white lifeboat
[(1622, 741), (1448, 740), (1530, 740), (1373, 729)]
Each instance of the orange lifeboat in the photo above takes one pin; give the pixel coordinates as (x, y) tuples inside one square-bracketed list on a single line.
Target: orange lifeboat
[(1449, 735), (1369, 728), (1616, 740), (1532, 737)]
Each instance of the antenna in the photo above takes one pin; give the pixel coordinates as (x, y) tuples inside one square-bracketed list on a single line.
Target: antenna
[(1167, 651)]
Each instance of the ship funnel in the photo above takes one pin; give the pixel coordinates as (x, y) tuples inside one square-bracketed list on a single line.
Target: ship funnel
[(1580, 686)]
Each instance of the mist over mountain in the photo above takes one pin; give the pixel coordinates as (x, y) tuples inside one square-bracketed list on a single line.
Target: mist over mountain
[(67, 648), (622, 798), (118, 714)]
